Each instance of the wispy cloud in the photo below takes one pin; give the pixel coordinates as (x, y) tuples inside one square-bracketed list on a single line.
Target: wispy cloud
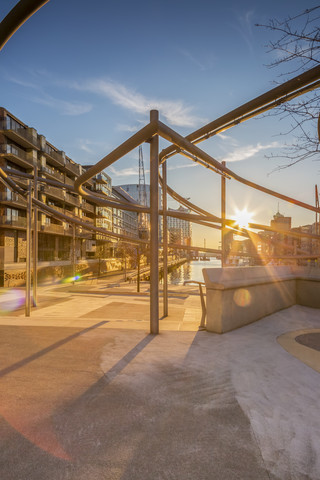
[(185, 165), (204, 63), (248, 151), (134, 171), (63, 106), (127, 128), (21, 83), (244, 27), (124, 172), (174, 111), (91, 146), (228, 139)]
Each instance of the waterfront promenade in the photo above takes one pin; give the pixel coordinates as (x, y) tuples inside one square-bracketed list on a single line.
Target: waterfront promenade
[(87, 393)]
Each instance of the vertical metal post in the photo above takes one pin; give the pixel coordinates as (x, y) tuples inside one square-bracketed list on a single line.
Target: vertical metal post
[(165, 240), (73, 252), (223, 218), (35, 238), (138, 267), (125, 265), (29, 252), (154, 228)]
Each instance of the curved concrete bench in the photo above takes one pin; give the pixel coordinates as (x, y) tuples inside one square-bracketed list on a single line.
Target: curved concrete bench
[(237, 296)]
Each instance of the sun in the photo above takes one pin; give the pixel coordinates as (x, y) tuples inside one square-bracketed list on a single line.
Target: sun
[(243, 218)]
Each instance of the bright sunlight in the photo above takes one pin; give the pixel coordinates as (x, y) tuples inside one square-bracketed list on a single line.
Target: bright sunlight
[(243, 218)]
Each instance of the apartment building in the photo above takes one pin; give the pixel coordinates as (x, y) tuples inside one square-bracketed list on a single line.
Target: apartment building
[(24, 152), (125, 222), (179, 230)]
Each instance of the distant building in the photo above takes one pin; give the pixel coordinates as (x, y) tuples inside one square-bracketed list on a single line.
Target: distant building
[(133, 190), (125, 222), (179, 230)]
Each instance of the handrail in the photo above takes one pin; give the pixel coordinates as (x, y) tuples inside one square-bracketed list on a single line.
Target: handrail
[(202, 325)]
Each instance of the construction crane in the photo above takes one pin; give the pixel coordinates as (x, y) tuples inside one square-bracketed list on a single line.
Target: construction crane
[(142, 221)]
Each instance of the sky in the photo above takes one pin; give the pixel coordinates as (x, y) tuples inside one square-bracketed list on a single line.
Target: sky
[(85, 75)]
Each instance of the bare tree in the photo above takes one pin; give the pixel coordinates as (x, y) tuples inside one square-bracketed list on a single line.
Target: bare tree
[(297, 45)]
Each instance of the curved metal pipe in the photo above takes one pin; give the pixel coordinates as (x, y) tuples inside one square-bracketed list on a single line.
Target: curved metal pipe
[(17, 16), (141, 136), (292, 88), (177, 139), (173, 194)]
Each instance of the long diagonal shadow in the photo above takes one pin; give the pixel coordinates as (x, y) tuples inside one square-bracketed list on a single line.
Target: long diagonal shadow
[(121, 364), (108, 376), (48, 349)]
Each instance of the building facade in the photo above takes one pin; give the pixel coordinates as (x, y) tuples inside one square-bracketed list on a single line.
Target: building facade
[(179, 231), (25, 153)]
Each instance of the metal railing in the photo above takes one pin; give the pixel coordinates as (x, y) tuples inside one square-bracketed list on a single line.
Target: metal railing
[(202, 325)]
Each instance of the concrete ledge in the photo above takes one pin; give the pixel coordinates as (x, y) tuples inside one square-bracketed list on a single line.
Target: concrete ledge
[(237, 296)]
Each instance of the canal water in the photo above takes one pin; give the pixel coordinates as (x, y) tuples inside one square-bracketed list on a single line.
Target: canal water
[(192, 271)]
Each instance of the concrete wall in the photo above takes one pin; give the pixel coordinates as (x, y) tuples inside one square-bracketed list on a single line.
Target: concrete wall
[(308, 293), (239, 296)]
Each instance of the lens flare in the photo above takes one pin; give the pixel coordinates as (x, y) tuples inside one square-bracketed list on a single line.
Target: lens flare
[(242, 297), (11, 300), (243, 218), (76, 278)]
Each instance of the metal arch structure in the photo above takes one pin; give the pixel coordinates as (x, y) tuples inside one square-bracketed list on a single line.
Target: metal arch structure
[(299, 85), (17, 17)]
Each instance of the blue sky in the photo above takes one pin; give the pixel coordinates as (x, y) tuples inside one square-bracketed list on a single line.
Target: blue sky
[(85, 75)]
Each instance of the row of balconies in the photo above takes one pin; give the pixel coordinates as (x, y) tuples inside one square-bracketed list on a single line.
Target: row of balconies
[(14, 199), (21, 222)]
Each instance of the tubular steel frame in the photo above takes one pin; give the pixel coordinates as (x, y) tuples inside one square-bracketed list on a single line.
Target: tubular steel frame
[(299, 85)]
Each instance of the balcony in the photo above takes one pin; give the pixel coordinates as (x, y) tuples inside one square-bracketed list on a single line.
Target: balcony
[(16, 222), (73, 168), (55, 158), (53, 228), (59, 193), (13, 199), (68, 181), (72, 200), (104, 212), (84, 218), (23, 182), (87, 206), (54, 192), (52, 173), (16, 155), (20, 135), (102, 178)]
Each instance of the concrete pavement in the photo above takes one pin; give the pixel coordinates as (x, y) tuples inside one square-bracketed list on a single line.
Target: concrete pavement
[(87, 393)]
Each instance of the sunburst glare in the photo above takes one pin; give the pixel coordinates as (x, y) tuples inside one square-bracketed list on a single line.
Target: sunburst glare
[(243, 218)]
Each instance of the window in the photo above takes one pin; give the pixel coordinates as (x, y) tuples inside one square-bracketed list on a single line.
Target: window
[(13, 124)]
